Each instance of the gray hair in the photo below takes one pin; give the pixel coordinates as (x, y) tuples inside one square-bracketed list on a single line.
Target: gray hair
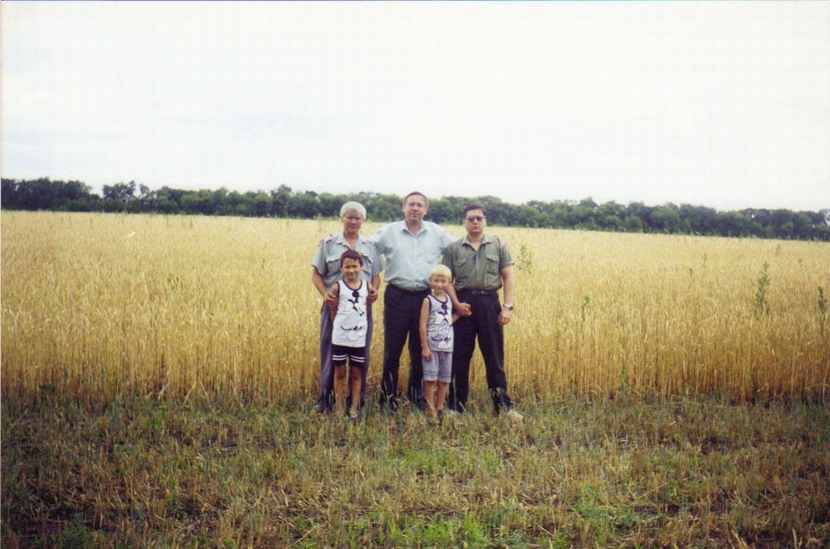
[(353, 207)]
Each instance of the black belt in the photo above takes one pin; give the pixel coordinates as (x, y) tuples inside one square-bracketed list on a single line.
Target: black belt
[(408, 292), (479, 292)]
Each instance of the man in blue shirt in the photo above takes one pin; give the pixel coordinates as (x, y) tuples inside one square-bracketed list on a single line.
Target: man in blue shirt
[(412, 247)]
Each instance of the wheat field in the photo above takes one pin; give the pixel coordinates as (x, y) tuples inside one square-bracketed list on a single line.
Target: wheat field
[(105, 306)]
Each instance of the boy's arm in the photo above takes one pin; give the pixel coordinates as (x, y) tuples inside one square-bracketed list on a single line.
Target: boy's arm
[(425, 353)]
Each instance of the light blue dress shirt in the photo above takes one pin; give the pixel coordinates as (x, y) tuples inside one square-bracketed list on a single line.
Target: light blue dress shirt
[(410, 258)]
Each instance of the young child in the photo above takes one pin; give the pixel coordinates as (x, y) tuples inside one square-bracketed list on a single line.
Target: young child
[(348, 340), (437, 319)]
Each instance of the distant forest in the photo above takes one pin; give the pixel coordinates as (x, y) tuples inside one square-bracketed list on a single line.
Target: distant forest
[(45, 194)]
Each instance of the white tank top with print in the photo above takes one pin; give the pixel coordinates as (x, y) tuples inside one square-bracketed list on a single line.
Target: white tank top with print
[(350, 322), (439, 324)]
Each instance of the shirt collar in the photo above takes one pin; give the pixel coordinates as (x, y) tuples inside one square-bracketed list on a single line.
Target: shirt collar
[(486, 239), (405, 228), (340, 238)]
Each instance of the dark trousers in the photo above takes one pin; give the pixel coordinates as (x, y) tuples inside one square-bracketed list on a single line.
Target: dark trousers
[(401, 317), (484, 325)]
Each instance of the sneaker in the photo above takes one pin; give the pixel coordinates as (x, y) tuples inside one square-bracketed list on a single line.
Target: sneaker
[(514, 415), (353, 415), (449, 414)]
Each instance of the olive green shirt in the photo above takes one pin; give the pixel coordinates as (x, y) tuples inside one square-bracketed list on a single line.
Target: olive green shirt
[(477, 270)]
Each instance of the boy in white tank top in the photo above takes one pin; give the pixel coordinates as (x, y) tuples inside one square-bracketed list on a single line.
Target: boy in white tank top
[(437, 319), (348, 339)]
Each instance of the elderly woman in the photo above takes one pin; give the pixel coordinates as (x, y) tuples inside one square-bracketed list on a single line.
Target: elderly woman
[(325, 272)]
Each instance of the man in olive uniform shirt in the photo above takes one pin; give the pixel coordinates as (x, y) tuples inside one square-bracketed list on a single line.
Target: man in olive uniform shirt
[(481, 265)]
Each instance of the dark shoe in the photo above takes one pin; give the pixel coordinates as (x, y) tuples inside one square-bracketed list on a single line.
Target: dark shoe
[(389, 404)]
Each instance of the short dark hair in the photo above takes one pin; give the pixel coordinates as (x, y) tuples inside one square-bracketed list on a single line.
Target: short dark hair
[(472, 207), (416, 193), (351, 254)]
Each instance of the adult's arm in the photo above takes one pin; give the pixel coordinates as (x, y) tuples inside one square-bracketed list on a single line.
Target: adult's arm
[(334, 293), (318, 267), (447, 259), (463, 309), (448, 238), (508, 283), (378, 239), (374, 286), (317, 279)]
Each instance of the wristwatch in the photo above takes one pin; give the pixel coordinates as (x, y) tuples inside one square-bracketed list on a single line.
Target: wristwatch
[(508, 306)]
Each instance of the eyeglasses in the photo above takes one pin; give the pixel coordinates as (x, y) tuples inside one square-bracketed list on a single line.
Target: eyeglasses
[(476, 218)]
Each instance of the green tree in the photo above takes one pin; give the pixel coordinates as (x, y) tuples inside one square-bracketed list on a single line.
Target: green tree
[(120, 192), (610, 216), (279, 201), (330, 204), (701, 220), (304, 205), (665, 218), (733, 224), (642, 212), (168, 200)]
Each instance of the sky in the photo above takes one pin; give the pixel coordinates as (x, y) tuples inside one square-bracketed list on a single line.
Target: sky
[(721, 104)]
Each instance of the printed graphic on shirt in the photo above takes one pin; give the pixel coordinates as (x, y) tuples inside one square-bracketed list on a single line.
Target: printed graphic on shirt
[(350, 322), (439, 325)]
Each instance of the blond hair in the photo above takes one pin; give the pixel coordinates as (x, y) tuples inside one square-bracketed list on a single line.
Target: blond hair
[(441, 270)]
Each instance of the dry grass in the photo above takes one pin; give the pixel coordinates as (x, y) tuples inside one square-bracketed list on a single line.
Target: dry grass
[(158, 375), (101, 306), (584, 473)]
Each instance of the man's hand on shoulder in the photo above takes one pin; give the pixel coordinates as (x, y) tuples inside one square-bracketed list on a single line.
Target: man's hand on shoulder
[(331, 299)]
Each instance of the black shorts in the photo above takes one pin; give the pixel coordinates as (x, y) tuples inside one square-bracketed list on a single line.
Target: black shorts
[(340, 353)]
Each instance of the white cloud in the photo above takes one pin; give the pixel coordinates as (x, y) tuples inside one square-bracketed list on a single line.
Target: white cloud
[(709, 103)]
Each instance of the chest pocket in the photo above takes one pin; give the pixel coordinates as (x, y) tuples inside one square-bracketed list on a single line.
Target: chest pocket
[(491, 266), (332, 265)]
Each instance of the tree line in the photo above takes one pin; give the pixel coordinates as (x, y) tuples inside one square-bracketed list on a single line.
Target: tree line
[(45, 194)]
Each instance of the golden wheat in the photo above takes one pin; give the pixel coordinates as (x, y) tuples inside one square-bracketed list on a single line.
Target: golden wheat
[(101, 306)]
